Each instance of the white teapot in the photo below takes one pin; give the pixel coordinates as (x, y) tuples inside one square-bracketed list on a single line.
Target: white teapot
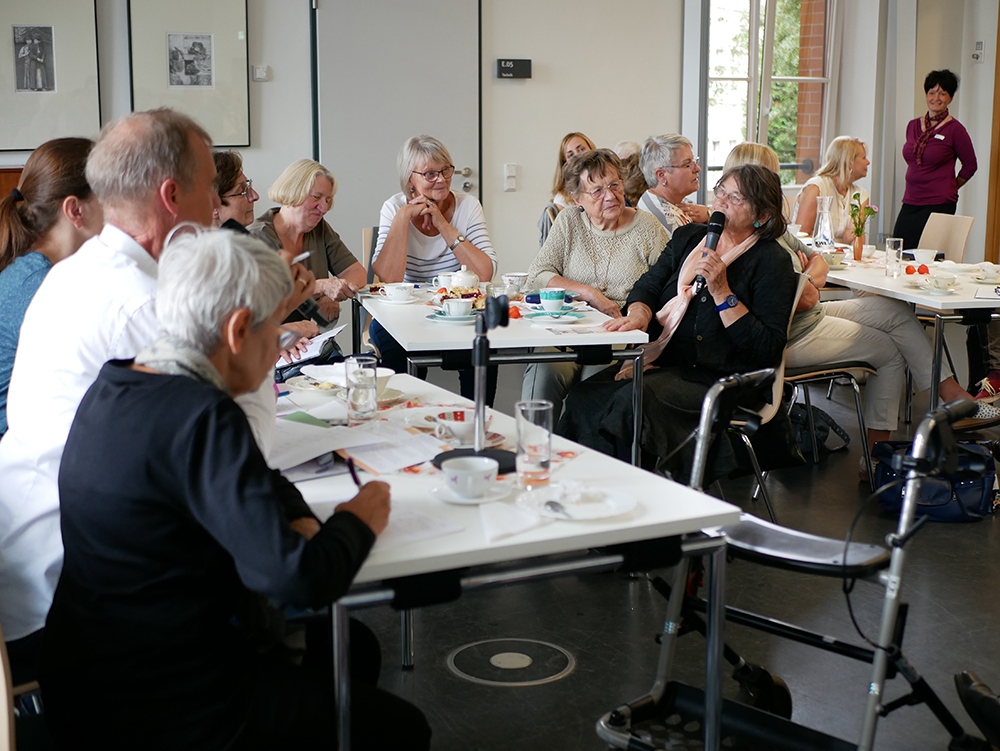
[(464, 278)]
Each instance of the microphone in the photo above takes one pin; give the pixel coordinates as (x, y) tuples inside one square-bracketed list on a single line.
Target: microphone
[(716, 223), (311, 310)]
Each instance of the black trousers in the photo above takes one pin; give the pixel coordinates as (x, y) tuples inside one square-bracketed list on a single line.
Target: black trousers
[(911, 220)]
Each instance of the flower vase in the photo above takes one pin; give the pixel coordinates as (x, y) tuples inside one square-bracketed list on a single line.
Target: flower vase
[(858, 246)]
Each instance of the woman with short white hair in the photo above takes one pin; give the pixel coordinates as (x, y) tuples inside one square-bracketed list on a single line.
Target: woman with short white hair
[(671, 170), (174, 526), (304, 192)]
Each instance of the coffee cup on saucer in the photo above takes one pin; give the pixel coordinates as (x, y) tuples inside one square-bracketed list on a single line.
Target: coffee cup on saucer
[(461, 307), (941, 281), (552, 299), (399, 292), (515, 279), (459, 424), (469, 476)]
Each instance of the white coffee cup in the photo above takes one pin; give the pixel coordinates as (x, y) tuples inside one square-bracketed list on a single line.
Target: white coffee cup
[(941, 281), (469, 476), (552, 298), (442, 280), (515, 279), (924, 255), (399, 292), (867, 251), (462, 307), (459, 424)]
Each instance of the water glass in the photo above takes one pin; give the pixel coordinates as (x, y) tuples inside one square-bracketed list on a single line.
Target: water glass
[(893, 256), (362, 395), (534, 442)]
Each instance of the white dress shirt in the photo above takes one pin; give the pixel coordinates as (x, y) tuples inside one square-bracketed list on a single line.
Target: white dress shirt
[(95, 306)]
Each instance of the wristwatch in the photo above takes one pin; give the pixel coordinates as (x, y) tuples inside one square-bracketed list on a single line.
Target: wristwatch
[(729, 302), (458, 241)]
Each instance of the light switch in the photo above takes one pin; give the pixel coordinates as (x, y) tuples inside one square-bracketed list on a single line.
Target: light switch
[(509, 178)]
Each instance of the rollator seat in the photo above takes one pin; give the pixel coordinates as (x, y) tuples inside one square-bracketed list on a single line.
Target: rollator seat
[(828, 369), (754, 539)]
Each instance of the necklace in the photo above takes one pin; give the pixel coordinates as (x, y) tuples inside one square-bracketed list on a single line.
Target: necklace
[(592, 250)]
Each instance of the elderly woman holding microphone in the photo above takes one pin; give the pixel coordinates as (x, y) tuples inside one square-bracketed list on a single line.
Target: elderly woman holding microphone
[(166, 544), (735, 321), (598, 252)]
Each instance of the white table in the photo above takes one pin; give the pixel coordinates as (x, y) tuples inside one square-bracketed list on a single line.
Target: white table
[(947, 308), (666, 509), (426, 342)]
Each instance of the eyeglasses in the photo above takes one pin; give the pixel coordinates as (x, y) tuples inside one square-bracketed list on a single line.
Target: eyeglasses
[(598, 193), (286, 337), (245, 192), (687, 165), (433, 175), (733, 199)]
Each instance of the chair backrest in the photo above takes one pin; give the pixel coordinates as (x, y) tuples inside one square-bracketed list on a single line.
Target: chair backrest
[(768, 411), (7, 721), (369, 236), (947, 234)]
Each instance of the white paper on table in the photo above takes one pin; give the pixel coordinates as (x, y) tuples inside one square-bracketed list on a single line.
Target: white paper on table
[(390, 456), (409, 526), (331, 410), (315, 346), (296, 442), (988, 293), (501, 520), (285, 406)]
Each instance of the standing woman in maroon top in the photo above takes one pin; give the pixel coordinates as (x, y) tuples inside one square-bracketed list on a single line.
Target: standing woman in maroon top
[(933, 143)]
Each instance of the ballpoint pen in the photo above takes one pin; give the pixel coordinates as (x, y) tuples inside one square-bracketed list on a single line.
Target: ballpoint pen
[(353, 471)]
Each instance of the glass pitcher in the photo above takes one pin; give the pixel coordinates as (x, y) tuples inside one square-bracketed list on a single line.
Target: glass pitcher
[(823, 229)]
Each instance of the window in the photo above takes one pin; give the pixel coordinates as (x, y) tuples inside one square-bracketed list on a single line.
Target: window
[(767, 80)]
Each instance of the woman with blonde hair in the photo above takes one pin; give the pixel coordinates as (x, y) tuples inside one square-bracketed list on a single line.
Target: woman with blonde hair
[(845, 163), (304, 192), (45, 219), (571, 145)]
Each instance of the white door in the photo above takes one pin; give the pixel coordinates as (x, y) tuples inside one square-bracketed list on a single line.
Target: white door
[(388, 71)]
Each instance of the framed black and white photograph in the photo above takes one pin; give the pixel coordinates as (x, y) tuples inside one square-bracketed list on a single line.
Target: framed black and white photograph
[(48, 72), (191, 55), (190, 62), (35, 65)]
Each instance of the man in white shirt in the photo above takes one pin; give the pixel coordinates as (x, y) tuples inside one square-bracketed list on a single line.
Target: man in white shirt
[(671, 170), (150, 171)]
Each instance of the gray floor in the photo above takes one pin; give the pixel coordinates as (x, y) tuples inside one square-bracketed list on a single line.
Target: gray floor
[(608, 623)]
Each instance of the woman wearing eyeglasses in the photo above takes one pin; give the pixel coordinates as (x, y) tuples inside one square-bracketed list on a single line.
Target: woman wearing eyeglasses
[(671, 170), (429, 229), (304, 192), (598, 252), (737, 322)]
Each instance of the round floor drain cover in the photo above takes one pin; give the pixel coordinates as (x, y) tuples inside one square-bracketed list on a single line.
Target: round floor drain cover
[(511, 662)]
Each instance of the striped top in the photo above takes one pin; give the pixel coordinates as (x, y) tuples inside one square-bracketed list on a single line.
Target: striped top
[(428, 256)]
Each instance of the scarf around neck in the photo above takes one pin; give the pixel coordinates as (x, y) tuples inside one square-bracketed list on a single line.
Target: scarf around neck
[(670, 315), (930, 125), (173, 356)]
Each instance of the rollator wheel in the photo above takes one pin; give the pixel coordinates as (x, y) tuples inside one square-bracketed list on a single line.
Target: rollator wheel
[(763, 690)]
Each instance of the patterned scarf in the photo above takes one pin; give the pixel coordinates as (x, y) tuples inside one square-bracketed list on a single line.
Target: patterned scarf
[(930, 124), (670, 315)]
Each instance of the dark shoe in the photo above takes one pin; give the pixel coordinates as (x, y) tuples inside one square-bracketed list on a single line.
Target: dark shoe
[(981, 703)]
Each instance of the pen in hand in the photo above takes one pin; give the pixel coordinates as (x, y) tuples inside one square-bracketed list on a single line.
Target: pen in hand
[(353, 471)]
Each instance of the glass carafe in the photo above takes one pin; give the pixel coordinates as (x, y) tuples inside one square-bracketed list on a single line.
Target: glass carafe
[(823, 229)]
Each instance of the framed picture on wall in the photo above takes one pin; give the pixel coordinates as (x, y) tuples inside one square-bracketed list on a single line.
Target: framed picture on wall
[(48, 72), (191, 55)]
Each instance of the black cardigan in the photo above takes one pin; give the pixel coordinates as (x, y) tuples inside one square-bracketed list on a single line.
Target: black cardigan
[(763, 279)]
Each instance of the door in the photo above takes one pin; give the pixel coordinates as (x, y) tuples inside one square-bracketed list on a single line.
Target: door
[(389, 71)]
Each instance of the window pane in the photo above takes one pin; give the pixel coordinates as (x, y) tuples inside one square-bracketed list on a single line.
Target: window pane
[(795, 125), (727, 123), (728, 53)]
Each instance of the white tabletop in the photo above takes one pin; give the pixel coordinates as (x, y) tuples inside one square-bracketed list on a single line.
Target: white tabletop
[(872, 278), (665, 508), (409, 326)]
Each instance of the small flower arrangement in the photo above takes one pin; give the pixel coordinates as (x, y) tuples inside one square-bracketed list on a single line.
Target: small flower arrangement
[(860, 214)]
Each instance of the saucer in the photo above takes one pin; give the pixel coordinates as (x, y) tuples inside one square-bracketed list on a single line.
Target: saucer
[(940, 292), (440, 317), (602, 503), (305, 383), (565, 309), (408, 301), (838, 266), (389, 397), (565, 318), (497, 491)]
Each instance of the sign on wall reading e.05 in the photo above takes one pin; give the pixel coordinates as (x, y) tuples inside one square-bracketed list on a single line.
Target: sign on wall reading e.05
[(513, 68)]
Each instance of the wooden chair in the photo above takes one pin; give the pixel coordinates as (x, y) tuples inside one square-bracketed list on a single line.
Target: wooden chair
[(369, 237), (11, 692), (948, 234)]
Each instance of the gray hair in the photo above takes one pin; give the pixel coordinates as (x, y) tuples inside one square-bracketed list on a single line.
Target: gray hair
[(658, 153), (205, 276), (625, 149), (415, 149), (137, 152)]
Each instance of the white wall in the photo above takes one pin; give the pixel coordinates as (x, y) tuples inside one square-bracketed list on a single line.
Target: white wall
[(610, 71)]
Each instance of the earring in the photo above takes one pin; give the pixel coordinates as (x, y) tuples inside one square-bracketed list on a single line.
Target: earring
[(756, 224)]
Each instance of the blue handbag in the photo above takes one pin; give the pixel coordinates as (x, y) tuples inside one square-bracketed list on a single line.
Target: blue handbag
[(944, 498)]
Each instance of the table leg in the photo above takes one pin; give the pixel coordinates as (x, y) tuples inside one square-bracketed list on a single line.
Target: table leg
[(637, 407), (341, 675), (406, 639), (716, 570), (356, 310), (936, 363)]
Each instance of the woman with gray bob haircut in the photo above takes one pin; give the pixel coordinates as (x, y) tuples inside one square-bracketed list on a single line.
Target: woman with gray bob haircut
[(671, 170), (173, 543)]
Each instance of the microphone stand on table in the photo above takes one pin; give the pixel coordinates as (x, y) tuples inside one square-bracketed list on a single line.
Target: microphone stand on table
[(494, 314)]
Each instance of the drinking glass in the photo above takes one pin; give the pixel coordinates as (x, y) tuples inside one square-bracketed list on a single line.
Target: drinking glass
[(893, 256), (534, 442), (362, 393)]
